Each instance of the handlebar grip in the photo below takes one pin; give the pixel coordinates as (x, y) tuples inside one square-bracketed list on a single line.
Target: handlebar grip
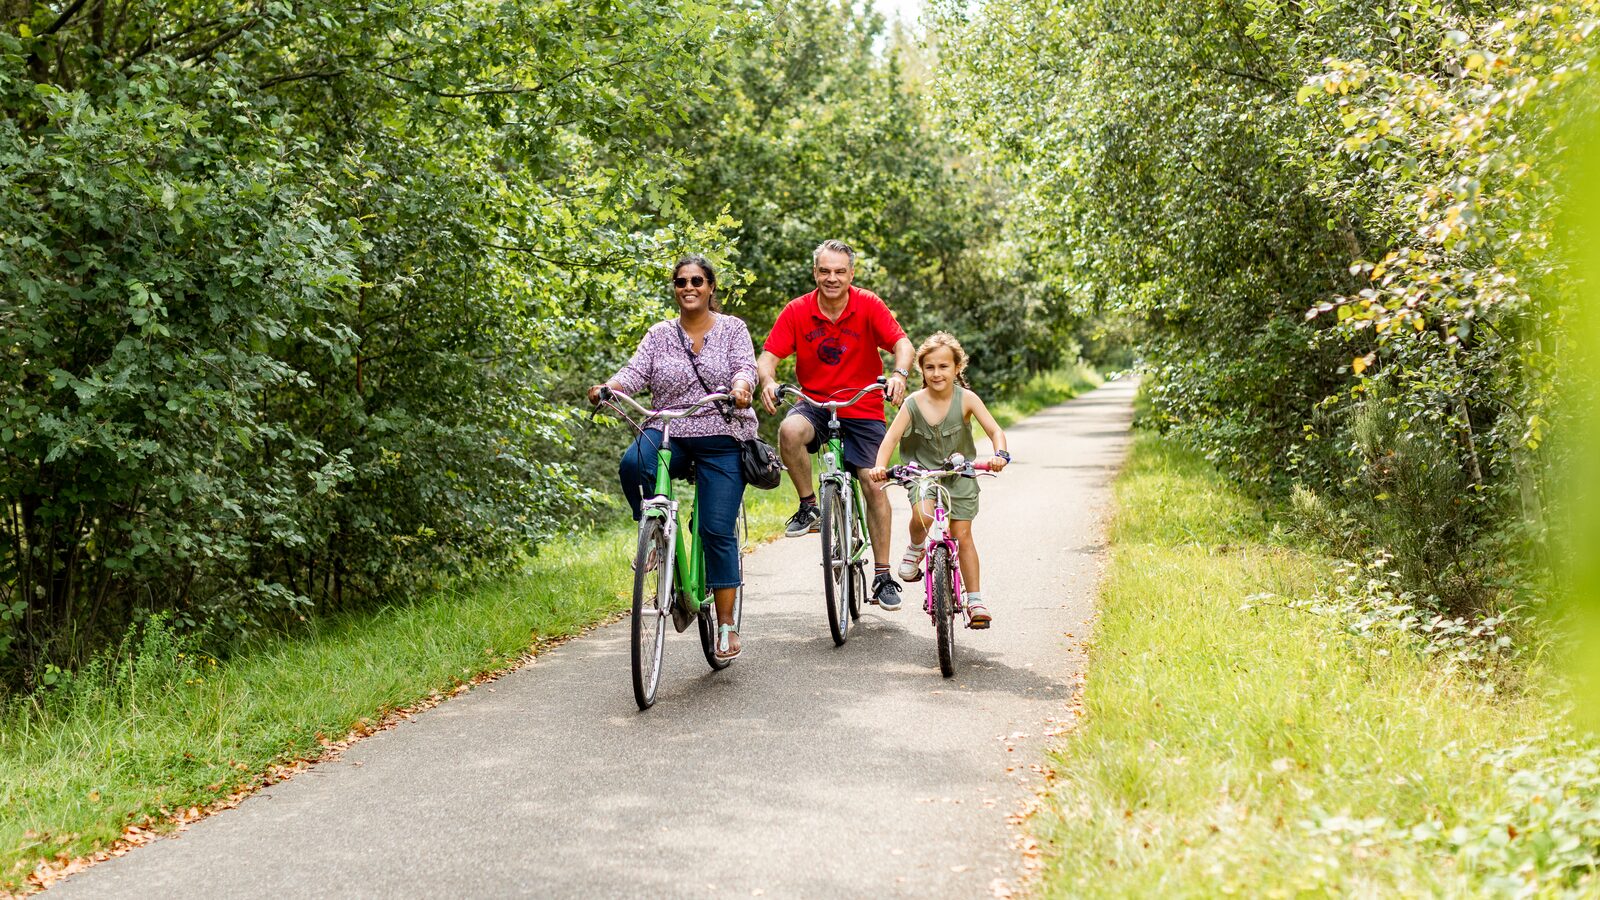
[(982, 467)]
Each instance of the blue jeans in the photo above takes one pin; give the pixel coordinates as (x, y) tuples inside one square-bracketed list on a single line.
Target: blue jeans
[(716, 466)]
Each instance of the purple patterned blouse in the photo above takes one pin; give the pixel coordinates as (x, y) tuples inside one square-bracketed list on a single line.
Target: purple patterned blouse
[(662, 365)]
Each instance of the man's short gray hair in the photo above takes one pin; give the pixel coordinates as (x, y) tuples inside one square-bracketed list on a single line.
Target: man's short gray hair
[(832, 246)]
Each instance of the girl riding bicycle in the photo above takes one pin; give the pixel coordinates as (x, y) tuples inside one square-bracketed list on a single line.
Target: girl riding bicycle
[(932, 424)]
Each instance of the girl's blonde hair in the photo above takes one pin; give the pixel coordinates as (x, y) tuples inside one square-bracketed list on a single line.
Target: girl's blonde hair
[(948, 341)]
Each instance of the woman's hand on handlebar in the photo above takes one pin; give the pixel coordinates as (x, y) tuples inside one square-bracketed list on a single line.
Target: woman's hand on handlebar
[(740, 394), (597, 393), (994, 464), (878, 474)]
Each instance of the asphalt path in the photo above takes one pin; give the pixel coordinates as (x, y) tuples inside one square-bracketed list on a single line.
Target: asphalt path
[(803, 770)]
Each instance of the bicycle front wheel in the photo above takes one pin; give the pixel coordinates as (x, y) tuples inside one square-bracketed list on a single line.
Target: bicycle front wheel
[(652, 598), (944, 607), (836, 561)]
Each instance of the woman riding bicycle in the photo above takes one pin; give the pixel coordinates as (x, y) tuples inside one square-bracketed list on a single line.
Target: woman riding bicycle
[(679, 361)]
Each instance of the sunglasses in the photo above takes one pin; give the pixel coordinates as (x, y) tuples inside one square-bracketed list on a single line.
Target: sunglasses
[(696, 280)]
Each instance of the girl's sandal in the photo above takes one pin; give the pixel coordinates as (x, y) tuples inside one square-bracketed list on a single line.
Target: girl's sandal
[(723, 643), (977, 616)]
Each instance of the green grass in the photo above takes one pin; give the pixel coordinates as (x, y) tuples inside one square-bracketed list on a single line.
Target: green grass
[(1044, 389), (1259, 751)]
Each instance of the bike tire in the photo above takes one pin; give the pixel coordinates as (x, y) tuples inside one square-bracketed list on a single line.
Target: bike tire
[(652, 597), (944, 607), (836, 562)]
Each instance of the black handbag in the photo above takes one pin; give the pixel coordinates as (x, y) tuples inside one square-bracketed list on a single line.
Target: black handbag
[(759, 463)]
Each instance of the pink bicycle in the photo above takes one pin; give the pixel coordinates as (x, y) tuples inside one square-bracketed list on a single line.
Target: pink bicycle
[(941, 572)]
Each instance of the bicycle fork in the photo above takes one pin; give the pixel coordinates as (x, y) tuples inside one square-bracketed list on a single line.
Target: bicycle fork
[(666, 510), (939, 533)]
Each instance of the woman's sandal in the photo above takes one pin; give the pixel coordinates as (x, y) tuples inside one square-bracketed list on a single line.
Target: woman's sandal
[(977, 616), (722, 643)]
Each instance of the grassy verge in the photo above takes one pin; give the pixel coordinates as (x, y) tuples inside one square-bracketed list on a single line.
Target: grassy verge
[(1230, 746), (1045, 389)]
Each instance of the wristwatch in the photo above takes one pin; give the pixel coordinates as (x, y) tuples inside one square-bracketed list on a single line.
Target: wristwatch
[(902, 373), (1003, 455)]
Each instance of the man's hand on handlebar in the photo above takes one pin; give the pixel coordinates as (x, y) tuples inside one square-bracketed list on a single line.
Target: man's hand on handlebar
[(769, 397), (895, 388), (878, 474)]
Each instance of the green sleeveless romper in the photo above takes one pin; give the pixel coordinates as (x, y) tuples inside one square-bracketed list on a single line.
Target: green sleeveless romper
[(930, 444)]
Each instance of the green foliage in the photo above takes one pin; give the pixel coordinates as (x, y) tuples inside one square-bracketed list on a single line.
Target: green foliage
[(1334, 226), (290, 294), (813, 132), (299, 298)]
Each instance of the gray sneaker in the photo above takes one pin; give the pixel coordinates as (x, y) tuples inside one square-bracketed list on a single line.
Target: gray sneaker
[(886, 591), (806, 520)]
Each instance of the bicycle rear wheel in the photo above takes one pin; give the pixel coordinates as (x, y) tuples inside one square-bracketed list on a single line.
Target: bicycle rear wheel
[(944, 607), (836, 562), (652, 595)]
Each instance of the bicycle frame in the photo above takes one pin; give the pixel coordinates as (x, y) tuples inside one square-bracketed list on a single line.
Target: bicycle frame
[(929, 485), (855, 505), (686, 561), (939, 533), (834, 471)]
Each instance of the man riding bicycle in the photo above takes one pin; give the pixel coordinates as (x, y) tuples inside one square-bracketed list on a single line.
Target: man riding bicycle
[(835, 333)]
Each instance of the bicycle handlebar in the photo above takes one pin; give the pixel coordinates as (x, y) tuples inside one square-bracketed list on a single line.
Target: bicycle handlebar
[(787, 389), (910, 472), (609, 395)]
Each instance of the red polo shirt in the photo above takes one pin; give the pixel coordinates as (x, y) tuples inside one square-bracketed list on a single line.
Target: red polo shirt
[(836, 358)]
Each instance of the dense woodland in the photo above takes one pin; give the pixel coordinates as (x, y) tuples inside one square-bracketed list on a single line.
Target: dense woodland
[(296, 297), (1337, 230)]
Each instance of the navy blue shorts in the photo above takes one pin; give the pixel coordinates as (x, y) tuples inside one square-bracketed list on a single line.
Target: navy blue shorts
[(862, 437)]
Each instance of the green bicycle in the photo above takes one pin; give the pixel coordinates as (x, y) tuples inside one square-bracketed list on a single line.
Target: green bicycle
[(846, 543), (670, 564)]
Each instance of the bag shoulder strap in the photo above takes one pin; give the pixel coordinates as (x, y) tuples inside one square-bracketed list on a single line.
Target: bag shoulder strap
[(683, 340)]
